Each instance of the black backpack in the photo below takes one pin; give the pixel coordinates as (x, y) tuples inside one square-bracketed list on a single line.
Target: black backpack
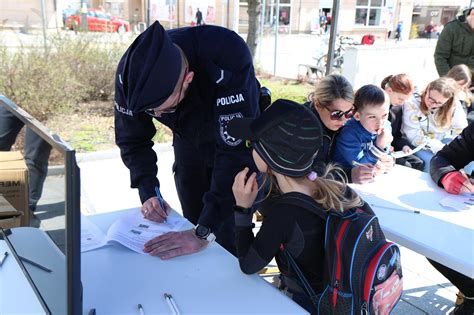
[(362, 270)]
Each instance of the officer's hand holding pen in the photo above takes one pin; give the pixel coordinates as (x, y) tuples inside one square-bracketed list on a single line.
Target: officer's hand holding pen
[(152, 210)]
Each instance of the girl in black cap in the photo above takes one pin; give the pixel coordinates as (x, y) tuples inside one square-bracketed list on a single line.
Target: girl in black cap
[(285, 139)]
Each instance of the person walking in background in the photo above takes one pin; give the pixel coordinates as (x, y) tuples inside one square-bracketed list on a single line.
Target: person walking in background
[(285, 139), (398, 31), (182, 80), (433, 118), (365, 139), (445, 171), (199, 20), (456, 43), (429, 29), (399, 89), (36, 153)]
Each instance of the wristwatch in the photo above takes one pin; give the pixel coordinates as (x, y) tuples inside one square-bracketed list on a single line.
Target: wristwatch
[(242, 210), (204, 233)]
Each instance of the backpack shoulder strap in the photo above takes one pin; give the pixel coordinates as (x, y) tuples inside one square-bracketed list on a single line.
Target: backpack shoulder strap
[(311, 206)]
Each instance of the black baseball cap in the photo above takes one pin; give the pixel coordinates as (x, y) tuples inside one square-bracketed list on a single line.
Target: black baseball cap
[(287, 136), (148, 71)]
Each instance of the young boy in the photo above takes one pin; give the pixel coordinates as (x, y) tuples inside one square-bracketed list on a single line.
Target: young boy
[(365, 139)]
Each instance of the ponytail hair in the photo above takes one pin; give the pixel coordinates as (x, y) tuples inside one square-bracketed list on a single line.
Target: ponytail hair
[(399, 83)]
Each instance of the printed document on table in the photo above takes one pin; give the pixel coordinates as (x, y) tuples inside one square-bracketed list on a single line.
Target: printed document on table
[(458, 202), (400, 154), (131, 230)]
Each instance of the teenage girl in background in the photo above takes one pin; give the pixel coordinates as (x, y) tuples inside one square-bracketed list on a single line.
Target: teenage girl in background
[(433, 117), (400, 88), (285, 139), (462, 75)]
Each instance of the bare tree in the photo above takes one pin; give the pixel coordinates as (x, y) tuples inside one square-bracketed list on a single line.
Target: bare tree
[(254, 14)]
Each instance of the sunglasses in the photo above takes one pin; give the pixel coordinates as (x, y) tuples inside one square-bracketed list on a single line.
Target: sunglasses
[(338, 114), (157, 112)]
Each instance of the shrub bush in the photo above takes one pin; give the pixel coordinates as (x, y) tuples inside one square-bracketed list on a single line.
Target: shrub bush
[(74, 69)]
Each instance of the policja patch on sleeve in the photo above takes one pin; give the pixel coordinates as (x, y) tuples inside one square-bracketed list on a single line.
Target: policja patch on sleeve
[(223, 121)]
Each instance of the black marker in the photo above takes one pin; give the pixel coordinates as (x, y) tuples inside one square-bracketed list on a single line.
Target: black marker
[(3, 258), (34, 264)]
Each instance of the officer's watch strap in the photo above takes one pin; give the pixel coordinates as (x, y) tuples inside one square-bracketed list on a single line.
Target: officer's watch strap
[(242, 210)]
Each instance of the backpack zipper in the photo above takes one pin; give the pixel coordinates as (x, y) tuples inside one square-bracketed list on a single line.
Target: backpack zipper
[(337, 282)]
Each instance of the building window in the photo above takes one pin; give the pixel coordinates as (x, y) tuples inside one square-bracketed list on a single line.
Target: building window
[(369, 12)]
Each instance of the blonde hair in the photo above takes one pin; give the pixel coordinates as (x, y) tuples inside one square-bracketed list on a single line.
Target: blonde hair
[(331, 88), (328, 189), (447, 88)]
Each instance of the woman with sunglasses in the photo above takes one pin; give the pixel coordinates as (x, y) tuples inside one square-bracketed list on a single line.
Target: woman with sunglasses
[(332, 103), (400, 88), (433, 118)]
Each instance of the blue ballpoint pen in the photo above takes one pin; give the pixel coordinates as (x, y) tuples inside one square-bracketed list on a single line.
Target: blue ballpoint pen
[(160, 198)]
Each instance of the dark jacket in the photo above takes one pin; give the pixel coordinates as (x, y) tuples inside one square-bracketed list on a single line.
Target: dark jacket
[(395, 116), (455, 46), (454, 156), (224, 86)]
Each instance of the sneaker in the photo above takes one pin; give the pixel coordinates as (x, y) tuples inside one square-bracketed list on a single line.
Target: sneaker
[(466, 308)]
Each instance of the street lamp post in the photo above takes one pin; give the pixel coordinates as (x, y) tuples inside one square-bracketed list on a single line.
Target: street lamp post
[(43, 17)]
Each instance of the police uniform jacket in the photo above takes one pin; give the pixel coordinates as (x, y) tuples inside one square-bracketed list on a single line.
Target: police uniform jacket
[(224, 86)]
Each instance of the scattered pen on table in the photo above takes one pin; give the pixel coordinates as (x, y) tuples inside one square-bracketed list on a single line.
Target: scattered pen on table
[(31, 262), (92, 311), (3, 258), (140, 309), (396, 209), (171, 304)]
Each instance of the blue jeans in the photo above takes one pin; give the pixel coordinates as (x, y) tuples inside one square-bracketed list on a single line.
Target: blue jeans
[(427, 155)]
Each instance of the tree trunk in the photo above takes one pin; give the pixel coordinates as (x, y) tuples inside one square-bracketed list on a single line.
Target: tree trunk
[(252, 36)]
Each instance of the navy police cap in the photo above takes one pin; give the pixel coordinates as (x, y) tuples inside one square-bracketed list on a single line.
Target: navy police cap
[(151, 69)]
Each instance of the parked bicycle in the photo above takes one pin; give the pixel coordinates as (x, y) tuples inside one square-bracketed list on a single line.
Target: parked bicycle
[(312, 72), (338, 61)]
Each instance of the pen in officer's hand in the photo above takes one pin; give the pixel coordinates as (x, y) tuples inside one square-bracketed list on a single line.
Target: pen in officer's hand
[(3, 258), (160, 198)]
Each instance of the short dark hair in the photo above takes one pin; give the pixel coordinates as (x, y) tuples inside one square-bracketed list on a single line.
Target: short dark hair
[(368, 95)]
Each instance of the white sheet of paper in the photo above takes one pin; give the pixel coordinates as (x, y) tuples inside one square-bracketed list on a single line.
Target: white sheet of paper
[(91, 236), (133, 231), (400, 154), (458, 202)]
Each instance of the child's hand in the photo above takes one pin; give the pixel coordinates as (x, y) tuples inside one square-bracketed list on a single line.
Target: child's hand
[(245, 190), (363, 174), (383, 138), (406, 149), (386, 163)]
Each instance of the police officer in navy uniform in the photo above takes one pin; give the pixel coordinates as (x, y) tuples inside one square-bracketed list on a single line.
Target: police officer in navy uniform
[(193, 80)]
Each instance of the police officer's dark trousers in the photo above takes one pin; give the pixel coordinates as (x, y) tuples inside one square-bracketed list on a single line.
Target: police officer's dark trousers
[(192, 174), (36, 153)]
